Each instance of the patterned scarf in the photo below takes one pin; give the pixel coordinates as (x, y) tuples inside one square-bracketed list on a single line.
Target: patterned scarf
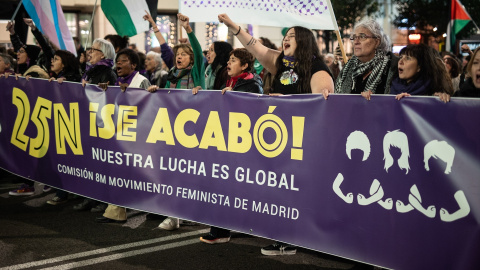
[(289, 61), (183, 76), (127, 79), (354, 68)]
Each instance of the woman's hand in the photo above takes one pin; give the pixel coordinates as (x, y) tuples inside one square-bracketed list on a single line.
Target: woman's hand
[(28, 77), (152, 88), (325, 93), (148, 17), (226, 89), (367, 94), (223, 18), (196, 89), (6, 74), (184, 22), (400, 96), (30, 23), (84, 83), (123, 87), (103, 86), (11, 27), (275, 94), (51, 79), (443, 97), (60, 80)]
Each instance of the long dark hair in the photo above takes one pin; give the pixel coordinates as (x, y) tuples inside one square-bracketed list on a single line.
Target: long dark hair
[(222, 51), (431, 67), (305, 53)]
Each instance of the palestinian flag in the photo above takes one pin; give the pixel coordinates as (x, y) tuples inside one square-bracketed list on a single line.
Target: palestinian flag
[(459, 18), (126, 16)]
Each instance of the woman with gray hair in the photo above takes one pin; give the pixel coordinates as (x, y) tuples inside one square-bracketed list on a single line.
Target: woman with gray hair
[(100, 62), (98, 71), (6, 64), (372, 66), (153, 66)]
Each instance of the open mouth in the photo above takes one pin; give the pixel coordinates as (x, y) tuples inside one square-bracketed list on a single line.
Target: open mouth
[(400, 70), (286, 46)]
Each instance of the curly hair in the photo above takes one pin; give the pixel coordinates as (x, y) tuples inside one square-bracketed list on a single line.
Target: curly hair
[(305, 53), (245, 57), (132, 56), (69, 61)]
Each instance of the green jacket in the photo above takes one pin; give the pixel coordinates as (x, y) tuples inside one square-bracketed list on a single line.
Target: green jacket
[(198, 69)]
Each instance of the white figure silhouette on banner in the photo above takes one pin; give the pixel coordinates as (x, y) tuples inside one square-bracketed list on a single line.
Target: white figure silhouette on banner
[(400, 140), (359, 140), (439, 149)]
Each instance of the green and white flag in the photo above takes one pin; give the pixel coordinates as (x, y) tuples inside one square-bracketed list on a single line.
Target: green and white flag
[(126, 16)]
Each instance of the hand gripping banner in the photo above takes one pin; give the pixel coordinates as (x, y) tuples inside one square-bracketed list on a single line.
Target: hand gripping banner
[(387, 182)]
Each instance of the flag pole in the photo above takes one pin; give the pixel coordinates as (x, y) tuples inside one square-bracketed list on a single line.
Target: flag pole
[(91, 23), (16, 10), (337, 32)]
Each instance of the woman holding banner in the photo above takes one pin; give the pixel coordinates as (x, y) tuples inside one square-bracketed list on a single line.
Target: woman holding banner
[(127, 65), (297, 69), (471, 87), (372, 68), (421, 72)]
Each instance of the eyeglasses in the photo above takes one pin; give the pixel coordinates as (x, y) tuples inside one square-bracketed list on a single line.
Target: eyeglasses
[(361, 37), (93, 49)]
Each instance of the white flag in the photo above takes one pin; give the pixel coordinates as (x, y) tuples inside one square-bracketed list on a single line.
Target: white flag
[(313, 14)]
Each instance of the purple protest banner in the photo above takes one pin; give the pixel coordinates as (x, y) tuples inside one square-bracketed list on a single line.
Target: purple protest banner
[(387, 182)]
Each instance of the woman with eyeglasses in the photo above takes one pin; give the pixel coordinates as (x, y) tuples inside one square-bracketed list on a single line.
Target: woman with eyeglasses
[(65, 66), (297, 69), (100, 62), (372, 67)]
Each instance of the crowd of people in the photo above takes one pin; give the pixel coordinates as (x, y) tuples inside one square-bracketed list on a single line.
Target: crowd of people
[(297, 67)]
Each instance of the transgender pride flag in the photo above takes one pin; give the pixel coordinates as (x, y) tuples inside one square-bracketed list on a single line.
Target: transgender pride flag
[(313, 14), (49, 19)]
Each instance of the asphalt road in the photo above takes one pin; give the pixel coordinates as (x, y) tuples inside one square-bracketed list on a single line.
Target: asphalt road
[(36, 235)]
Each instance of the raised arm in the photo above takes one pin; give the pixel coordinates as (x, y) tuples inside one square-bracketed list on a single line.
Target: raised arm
[(265, 56), (48, 52), (198, 70), (16, 42), (167, 53)]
